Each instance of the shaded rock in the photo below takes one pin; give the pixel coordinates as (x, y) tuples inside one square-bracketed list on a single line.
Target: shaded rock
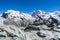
[(40, 35), (54, 21), (51, 25), (4, 15), (52, 39), (58, 38), (3, 34), (12, 35), (31, 28)]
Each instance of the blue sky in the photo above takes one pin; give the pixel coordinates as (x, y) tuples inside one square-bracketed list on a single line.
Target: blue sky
[(30, 5)]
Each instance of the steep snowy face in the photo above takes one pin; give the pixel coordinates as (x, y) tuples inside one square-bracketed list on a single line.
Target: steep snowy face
[(37, 12), (42, 14), (45, 16), (29, 17), (13, 14)]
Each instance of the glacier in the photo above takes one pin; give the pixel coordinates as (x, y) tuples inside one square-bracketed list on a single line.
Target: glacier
[(36, 25)]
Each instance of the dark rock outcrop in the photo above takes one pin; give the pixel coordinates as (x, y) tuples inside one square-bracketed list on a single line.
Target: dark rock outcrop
[(40, 35), (31, 28), (4, 15)]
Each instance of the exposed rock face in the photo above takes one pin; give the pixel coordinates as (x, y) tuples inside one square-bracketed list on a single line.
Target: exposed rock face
[(4, 15), (29, 28)]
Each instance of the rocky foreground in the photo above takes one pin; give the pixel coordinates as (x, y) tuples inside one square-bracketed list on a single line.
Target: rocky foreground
[(40, 32)]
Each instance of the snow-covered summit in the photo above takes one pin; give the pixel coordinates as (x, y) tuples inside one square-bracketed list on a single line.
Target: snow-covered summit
[(37, 12), (42, 14), (12, 13)]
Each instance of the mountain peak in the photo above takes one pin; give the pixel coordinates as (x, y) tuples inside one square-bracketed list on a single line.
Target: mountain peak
[(12, 11)]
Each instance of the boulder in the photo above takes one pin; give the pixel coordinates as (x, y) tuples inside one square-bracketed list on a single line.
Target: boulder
[(45, 33), (40, 35)]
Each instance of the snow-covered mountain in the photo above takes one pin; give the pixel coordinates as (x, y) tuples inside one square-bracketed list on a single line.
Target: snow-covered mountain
[(46, 15), (42, 14), (12, 16), (21, 18)]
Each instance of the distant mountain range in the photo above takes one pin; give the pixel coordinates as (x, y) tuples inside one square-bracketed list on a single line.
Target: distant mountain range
[(11, 16)]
